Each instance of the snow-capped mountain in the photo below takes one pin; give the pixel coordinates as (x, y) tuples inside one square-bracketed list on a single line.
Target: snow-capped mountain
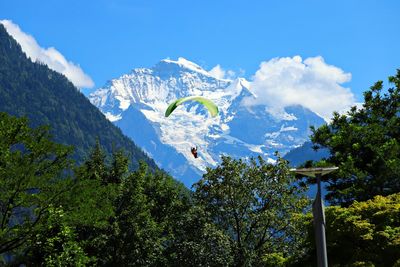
[(136, 102)]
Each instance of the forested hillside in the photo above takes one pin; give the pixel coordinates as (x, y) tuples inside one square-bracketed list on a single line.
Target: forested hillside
[(47, 97)]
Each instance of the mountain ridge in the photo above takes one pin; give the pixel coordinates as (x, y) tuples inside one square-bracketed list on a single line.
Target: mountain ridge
[(240, 130), (47, 97)]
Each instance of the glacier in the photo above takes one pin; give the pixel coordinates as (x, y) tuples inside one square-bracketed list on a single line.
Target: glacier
[(136, 102)]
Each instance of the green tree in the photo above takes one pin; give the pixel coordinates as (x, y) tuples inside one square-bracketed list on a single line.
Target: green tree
[(365, 144), (33, 177), (137, 236), (55, 244), (147, 210), (125, 218), (257, 205), (363, 234), (198, 241), (119, 167), (92, 204), (95, 166)]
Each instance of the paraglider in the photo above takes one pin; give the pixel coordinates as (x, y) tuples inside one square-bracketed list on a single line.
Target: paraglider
[(194, 152), (212, 108)]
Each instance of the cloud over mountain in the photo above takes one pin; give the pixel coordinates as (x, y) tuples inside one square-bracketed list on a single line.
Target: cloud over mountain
[(312, 83), (50, 56), (136, 103), (219, 73)]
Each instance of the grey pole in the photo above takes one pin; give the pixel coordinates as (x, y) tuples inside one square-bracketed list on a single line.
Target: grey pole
[(319, 226), (318, 212)]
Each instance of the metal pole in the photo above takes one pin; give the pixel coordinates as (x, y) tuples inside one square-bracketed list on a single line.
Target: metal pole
[(319, 226)]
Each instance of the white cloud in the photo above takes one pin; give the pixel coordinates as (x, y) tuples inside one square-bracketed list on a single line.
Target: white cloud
[(50, 56), (281, 82), (219, 73)]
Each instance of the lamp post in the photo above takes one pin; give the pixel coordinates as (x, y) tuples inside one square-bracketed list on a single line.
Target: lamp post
[(318, 212)]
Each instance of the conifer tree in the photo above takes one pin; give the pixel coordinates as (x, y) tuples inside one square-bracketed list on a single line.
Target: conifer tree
[(365, 145)]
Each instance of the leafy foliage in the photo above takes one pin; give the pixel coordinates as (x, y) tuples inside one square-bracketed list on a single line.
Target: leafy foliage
[(257, 206), (98, 213), (138, 236), (133, 213), (147, 209), (33, 177), (365, 144), (56, 243), (240, 214), (364, 234), (200, 242)]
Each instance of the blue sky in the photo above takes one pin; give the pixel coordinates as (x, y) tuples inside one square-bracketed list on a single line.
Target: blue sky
[(108, 38)]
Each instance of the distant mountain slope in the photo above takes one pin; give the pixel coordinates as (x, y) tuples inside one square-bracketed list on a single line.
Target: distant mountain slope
[(303, 153), (47, 97), (137, 101)]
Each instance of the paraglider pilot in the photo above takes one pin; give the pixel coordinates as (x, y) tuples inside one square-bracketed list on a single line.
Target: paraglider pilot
[(194, 152), (212, 108)]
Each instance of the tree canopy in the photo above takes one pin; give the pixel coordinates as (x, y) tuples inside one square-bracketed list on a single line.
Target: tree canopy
[(258, 206), (33, 178), (365, 145), (364, 234)]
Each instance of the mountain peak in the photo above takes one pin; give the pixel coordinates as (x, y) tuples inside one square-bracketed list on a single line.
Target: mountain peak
[(186, 64), (137, 104), (244, 83)]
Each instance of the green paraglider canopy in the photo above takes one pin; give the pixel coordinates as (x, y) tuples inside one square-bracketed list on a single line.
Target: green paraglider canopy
[(212, 108)]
